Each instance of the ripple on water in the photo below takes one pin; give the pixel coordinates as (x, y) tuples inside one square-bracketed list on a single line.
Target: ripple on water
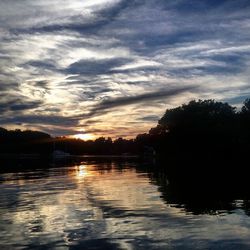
[(108, 206)]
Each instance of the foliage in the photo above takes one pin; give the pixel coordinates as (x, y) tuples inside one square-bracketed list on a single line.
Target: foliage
[(205, 127), (198, 115)]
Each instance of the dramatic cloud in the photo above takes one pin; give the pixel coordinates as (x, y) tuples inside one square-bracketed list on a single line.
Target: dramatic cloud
[(112, 67), (107, 105)]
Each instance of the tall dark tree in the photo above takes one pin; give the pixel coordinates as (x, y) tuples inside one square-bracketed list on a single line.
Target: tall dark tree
[(198, 116), (246, 107)]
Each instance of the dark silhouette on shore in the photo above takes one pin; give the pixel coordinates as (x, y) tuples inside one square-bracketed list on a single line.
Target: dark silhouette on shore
[(197, 154), (42, 144), (200, 131), (29, 142)]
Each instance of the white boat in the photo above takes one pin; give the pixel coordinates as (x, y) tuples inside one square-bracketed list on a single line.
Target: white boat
[(58, 154)]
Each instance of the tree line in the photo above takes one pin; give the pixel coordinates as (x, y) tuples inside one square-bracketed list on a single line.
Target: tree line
[(200, 128)]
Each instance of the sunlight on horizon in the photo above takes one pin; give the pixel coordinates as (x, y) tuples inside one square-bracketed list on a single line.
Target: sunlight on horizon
[(84, 137)]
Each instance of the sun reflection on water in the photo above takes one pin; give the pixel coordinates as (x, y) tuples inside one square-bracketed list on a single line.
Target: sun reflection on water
[(82, 171), (87, 203)]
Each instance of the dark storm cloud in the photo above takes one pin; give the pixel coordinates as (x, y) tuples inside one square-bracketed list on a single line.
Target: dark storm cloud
[(193, 6), (39, 120), (24, 106), (207, 70), (7, 86), (60, 59), (58, 131), (80, 24), (18, 105), (188, 21), (48, 65), (106, 105), (94, 92), (94, 67), (151, 118), (123, 101)]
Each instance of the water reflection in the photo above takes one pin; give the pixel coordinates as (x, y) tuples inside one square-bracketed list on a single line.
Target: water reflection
[(213, 194), (81, 171), (112, 205)]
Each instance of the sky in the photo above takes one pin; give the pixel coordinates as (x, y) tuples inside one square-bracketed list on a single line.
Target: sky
[(112, 67)]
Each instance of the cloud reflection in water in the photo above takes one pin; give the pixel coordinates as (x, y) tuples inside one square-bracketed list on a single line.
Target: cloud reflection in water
[(106, 205)]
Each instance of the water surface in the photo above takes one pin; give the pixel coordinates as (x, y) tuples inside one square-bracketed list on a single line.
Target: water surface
[(111, 205)]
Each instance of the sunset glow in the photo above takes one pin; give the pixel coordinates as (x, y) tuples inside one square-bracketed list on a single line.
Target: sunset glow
[(84, 137), (113, 66)]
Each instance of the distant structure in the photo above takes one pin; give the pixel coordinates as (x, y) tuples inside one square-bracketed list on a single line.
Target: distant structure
[(58, 154)]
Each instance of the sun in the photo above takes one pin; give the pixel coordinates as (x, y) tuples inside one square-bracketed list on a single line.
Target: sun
[(84, 137)]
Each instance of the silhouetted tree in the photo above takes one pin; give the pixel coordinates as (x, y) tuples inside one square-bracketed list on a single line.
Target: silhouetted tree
[(246, 107), (199, 129), (17, 141), (200, 126), (198, 116), (244, 127)]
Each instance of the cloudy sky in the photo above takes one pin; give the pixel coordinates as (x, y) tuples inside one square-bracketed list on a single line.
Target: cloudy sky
[(112, 67)]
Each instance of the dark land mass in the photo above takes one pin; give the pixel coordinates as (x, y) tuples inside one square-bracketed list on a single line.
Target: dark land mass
[(203, 129), (198, 154)]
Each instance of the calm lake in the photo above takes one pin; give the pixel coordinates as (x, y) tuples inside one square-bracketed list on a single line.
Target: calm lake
[(113, 205)]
